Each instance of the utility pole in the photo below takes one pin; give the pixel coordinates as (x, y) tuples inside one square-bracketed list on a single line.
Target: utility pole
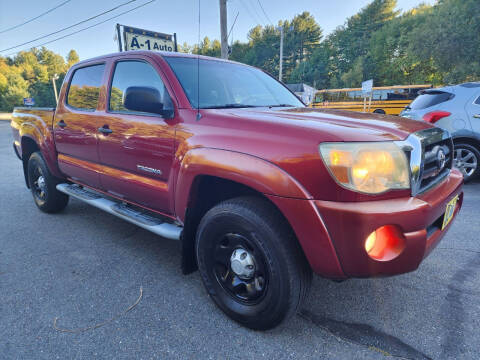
[(119, 36), (281, 54), (223, 29), (54, 78)]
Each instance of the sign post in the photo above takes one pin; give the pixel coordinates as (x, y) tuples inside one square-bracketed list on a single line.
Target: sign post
[(119, 36), (367, 91), (140, 39)]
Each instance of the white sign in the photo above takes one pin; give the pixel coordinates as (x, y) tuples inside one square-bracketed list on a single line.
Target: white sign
[(138, 39), (28, 101), (367, 87)]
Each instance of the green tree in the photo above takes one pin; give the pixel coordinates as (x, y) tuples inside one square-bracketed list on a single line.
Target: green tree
[(29, 74), (352, 40), (72, 58), (13, 87), (454, 45)]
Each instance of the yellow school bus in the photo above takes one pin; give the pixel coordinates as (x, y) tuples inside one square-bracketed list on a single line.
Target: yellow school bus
[(385, 100)]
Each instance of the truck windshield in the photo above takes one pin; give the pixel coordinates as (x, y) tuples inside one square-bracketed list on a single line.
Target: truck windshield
[(211, 84)]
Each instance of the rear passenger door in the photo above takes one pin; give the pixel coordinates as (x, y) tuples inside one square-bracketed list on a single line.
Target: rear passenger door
[(137, 153), (75, 125)]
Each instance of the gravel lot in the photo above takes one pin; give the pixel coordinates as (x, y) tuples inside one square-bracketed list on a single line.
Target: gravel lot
[(85, 267)]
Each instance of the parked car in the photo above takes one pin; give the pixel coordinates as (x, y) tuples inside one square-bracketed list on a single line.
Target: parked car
[(259, 189), (456, 109)]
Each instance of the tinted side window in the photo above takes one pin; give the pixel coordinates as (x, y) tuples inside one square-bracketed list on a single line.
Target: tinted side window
[(135, 73), (429, 99), (85, 87)]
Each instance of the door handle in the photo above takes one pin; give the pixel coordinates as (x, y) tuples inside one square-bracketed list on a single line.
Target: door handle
[(62, 124), (105, 129), (476, 116)]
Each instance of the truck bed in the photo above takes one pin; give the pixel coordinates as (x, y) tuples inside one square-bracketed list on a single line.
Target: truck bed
[(35, 123)]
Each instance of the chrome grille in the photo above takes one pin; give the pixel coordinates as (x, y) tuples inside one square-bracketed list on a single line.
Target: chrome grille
[(433, 169), (431, 158)]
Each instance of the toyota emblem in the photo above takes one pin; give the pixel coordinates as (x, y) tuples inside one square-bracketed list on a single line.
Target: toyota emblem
[(441, 159)]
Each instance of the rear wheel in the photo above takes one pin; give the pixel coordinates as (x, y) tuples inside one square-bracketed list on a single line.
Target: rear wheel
[(467, 160), (250, 262), (379, 111), (43, 186)]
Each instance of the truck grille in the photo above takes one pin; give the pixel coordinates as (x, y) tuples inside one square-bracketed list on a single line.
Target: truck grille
[(437, 162), (431, 158)]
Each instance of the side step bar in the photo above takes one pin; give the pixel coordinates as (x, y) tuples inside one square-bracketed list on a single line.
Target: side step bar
[(135, 215)]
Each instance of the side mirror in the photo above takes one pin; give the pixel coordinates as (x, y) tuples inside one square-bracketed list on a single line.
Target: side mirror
[(145, 99)]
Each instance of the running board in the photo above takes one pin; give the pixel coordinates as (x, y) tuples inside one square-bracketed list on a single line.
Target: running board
[(135, 215)]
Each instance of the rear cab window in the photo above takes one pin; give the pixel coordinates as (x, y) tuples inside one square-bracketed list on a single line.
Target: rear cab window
[(84, 88), (430, 98)]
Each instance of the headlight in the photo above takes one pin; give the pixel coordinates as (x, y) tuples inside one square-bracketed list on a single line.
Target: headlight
[(371, 168)]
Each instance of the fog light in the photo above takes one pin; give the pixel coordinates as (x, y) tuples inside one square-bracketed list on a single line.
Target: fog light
[(385, 243), (370, 243)]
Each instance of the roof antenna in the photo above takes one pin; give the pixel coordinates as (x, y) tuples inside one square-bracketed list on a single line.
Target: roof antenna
[(199, 116)]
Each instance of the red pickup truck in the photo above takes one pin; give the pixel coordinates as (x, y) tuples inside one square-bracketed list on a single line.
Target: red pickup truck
[(259, 189)]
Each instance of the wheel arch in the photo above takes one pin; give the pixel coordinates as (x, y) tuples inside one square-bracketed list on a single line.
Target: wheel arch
[(31, 140), (467, 140), (209, 176), (28, 146)]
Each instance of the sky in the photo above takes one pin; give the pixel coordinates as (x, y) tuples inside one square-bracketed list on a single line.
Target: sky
[(179, 16)]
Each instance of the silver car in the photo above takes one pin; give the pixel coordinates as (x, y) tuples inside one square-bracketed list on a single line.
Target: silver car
[(456, 109)]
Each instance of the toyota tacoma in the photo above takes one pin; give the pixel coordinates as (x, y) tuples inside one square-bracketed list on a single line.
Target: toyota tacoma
[(260, 190)]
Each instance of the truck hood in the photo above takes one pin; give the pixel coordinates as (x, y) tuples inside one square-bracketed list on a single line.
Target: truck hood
[(340, 124)]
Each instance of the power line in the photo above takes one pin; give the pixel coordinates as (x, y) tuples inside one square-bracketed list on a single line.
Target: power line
[(264, 13), (88, 27), (254, 18), (234, 21), (35, 18), (69, 27)]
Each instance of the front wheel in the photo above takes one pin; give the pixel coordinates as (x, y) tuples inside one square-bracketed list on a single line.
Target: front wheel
[(43, 186), (467, 160), (251, 263)]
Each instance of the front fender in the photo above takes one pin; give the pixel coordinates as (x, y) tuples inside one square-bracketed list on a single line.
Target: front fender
[(289, 196), (247, 170)]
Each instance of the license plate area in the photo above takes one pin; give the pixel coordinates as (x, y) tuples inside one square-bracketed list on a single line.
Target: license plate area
[(449, 211)]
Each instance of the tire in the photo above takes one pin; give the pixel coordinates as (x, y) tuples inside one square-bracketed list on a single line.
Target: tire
[(43, 186), (379, 111), (252, 231), (467, 160)]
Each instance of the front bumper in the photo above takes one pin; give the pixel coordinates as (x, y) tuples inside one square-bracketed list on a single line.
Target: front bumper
[(332, 234), (419, 218)]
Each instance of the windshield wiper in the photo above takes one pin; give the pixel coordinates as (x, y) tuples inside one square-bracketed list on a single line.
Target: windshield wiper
[(229, 106), (281, 105)]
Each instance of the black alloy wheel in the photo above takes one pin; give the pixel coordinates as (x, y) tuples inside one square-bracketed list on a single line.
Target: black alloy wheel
[(43, 186), (251, 263), (240, 268)]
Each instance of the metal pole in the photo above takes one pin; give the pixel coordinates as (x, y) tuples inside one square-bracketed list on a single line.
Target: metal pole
[(280, 72), (55, 77), (223, 29), (119, 38), (175, 39)]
